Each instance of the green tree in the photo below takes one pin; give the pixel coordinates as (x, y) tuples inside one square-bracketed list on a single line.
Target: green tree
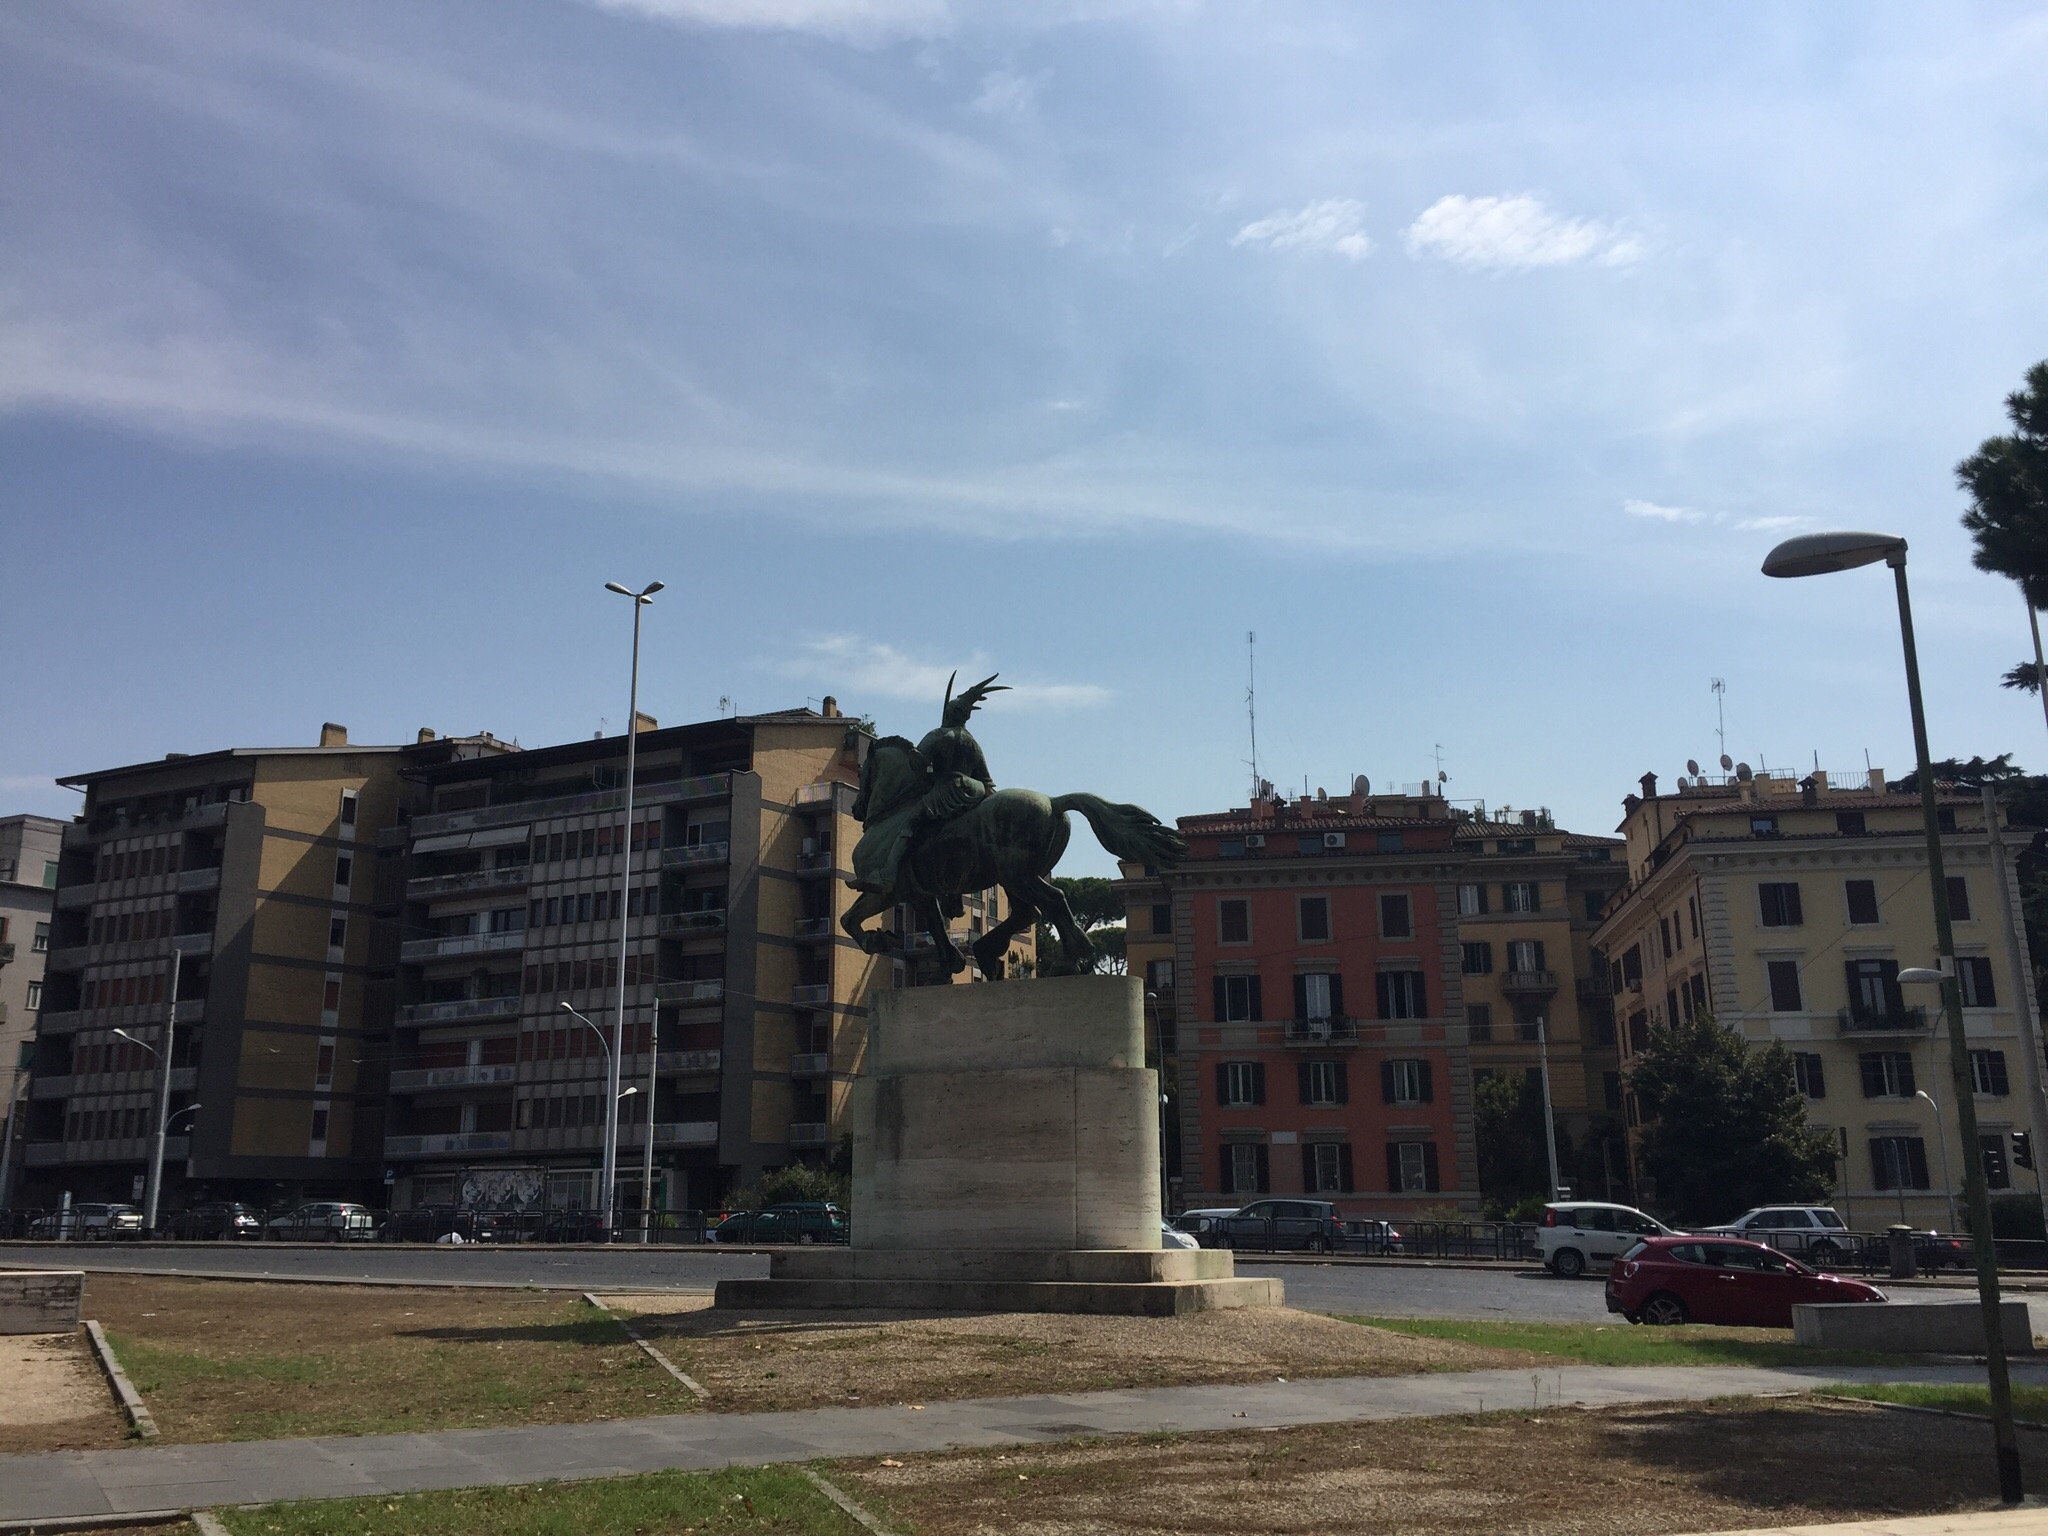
[(1725, 1124), (1508, 1120), (2007, 480), (1097, 908)]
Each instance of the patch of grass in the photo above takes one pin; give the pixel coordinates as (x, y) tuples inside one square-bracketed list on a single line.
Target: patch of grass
[(1626, 1344), (2028, 1403), (770, 1502)]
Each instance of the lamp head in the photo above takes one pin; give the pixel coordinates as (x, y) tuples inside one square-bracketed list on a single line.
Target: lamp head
[(650, 589), (1921, 976), (613, 586), (1820, 554)]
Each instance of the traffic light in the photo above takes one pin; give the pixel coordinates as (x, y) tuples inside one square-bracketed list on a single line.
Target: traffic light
[(2022, 1149)]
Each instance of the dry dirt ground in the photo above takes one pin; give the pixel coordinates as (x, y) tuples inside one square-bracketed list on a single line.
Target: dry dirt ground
[(1633, 1472), (772, 1360), (52, 1396)]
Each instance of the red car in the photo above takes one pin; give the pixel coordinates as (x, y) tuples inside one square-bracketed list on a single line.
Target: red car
[(1720, 1280)]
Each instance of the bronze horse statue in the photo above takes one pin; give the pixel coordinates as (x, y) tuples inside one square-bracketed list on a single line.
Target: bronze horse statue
[(948, 831)]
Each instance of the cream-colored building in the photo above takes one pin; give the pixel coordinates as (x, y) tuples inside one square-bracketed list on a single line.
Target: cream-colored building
[(1787, 906)]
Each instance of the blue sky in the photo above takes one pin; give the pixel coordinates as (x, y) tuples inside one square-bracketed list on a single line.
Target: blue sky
[(1471, 355)]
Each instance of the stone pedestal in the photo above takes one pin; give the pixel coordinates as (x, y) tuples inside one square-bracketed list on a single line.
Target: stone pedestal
[(1006, 1158)]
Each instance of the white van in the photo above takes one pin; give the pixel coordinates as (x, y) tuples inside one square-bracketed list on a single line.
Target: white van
[(1576, 1233)]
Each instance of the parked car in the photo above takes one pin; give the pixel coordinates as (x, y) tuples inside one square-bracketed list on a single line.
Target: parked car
[(1371, 1234), (1171, 1237), (737, 1227), (1311, 1225), (1575, 1234), (1815, 1233), (323, 1220), (1931, 1251), (91, 1221), (225, 1220), (801, 1221), (1204, 1226), (572, 1225), (1667, 1280), (431, 1223)]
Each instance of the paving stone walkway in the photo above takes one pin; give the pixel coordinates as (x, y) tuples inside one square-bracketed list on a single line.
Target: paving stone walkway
[(67, 1484)]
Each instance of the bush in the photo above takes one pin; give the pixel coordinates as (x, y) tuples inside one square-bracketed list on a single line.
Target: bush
[(2017, 1218), (797, 1181)]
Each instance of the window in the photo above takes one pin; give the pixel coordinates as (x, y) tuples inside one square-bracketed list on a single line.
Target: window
[(41, 942), (1234, 920), (1478, 959), (1309, 843), (1471, 901), (1162, 917), (1692, 907), (50, 873), (1322, 1083), (1479, 1021), (35, 994), (1519, 896), (1314, 917), (1411, 1166), (1318, 995), (330, 994), (1898, 1162), (1388, 842), (337, 932), (1809, 1075), (1763, 826), (1849, 823), (1244, 1168), (1230, 848), (1326, 1168), (1237, 1000), (1525, 954), (1784, 977), (1610, 1090), (1401, 995), (1987, 1073), (319, 1125), (1945, 819), (1874, 994), (1405, 1082), (1595, 901), (323, 1068), (1862, 895), (1664, 935), (1631, 967), (348, 807), (1396, 919), (1159, 977), (1958, 898), (1997, 1167), (1778, 903), (1240, 1084), (1973, 978), (344, 867), (1887, 1075)]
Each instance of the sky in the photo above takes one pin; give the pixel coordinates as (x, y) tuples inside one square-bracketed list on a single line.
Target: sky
[(1471, 356)]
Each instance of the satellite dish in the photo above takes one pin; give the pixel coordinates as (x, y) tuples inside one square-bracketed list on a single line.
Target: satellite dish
[(1692, 766), (1361, 785), (1683, 782), (1442, 777), (1727, 762), (1742, 773)]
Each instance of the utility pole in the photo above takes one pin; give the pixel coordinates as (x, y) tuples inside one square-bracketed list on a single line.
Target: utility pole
[(2017, 979)]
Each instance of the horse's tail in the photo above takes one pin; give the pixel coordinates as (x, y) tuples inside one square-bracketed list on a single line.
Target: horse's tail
[(1127, 831)]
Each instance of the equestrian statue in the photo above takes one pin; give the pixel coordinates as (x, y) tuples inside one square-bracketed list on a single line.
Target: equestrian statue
[(934, 827)]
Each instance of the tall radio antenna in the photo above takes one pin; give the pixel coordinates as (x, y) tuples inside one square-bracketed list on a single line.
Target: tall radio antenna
[(1720, 715), (1251, 704)]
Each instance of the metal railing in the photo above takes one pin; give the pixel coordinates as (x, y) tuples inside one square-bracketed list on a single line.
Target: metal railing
[(686, 992), (459, 1009), (810, 1063), (1528, 981), (814, 927), (687, 854), (699, 920), (462, 944), (1857, 1021), (514, 812), (811, 994), (474, 1075), (1319, 1031), (504, 877)]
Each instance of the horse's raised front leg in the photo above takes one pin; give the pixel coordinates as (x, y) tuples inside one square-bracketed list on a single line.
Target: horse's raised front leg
[(866, 905), (927, 907), (1052, 902), (992, 946)]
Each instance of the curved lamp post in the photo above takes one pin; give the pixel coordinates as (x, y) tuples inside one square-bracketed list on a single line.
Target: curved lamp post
[(611, 1169), (1822, 554)]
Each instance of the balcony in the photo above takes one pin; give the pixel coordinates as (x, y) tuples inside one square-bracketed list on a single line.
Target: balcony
[(810, 1133), (481, 1075), (814, 927), (460, 1010), (702, 921), (1595, 989), (821, 796), (205, 878), (1882, 1021), (518, 812), (71, 897), (452, 1144), (62, 957), (687, 1061), (131, 1149), (815, 995), (688, 992), (1320, 1031), (817, 862), (193, 943), (459, 944), (61, 1021), (1537, 983), (510, 877), (691, 855), (810, 1064), (190, 1010), (684, 1133)]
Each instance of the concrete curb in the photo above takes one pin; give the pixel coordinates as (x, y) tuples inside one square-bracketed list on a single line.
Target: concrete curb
[(647, 1347), (95, 1522), (124, 1390), (837, 1495), (1932, 1413)]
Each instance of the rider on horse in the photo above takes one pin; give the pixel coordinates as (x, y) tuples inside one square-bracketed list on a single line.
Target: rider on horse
[(953, 779)]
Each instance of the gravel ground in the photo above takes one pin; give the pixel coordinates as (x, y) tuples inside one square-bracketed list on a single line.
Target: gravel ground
[(52, 1396)]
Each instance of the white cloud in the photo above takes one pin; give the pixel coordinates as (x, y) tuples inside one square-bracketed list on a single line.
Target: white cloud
[(1663, 514), (849, 20), (1005, 93), (1773, 524), (861, 668), (1657, 512), (1335, 225), (1514, 232)]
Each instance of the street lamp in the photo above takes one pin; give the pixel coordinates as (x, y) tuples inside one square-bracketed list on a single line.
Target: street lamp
[(154, 1189), (1820, 554), (640, 600), (1948, 1184), (611, 1116)]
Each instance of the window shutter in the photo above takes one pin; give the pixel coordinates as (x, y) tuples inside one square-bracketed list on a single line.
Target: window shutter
[(1301, 997), (1336, 995), (1308, 1169), (1343, 1084), (1343, 1156), (1264, 1171), (1223, 1086), (1880, 1166), (1873, 1077), (1258, 1006), (1816, 1075), (1999, 1084), (1430, 1179), (1225, 1184), (1916, 1157), (1894, 999), (1905, 1075), (1387, 1086), (1421, 995), (1423, 1074), (1793, 917), (1301, 1080), (1394, 1166), (1221, 1006), (1537, 949), (1259, 1087)]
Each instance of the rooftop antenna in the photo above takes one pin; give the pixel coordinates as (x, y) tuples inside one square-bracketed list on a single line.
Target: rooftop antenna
[(1251, 706), (726, 705), (1720, 688), (1441, 776)]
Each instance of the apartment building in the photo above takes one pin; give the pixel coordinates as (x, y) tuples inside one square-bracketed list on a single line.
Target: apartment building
[(1306, 985), (745, 1004), (29, 847), (241, 894), (1787, 906)]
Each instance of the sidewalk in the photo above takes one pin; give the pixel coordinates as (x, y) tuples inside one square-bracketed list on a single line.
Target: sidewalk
[(2029, 1521), (173, 1478)]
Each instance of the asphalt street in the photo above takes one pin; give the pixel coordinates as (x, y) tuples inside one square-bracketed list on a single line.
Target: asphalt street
[(1386, 1290)]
